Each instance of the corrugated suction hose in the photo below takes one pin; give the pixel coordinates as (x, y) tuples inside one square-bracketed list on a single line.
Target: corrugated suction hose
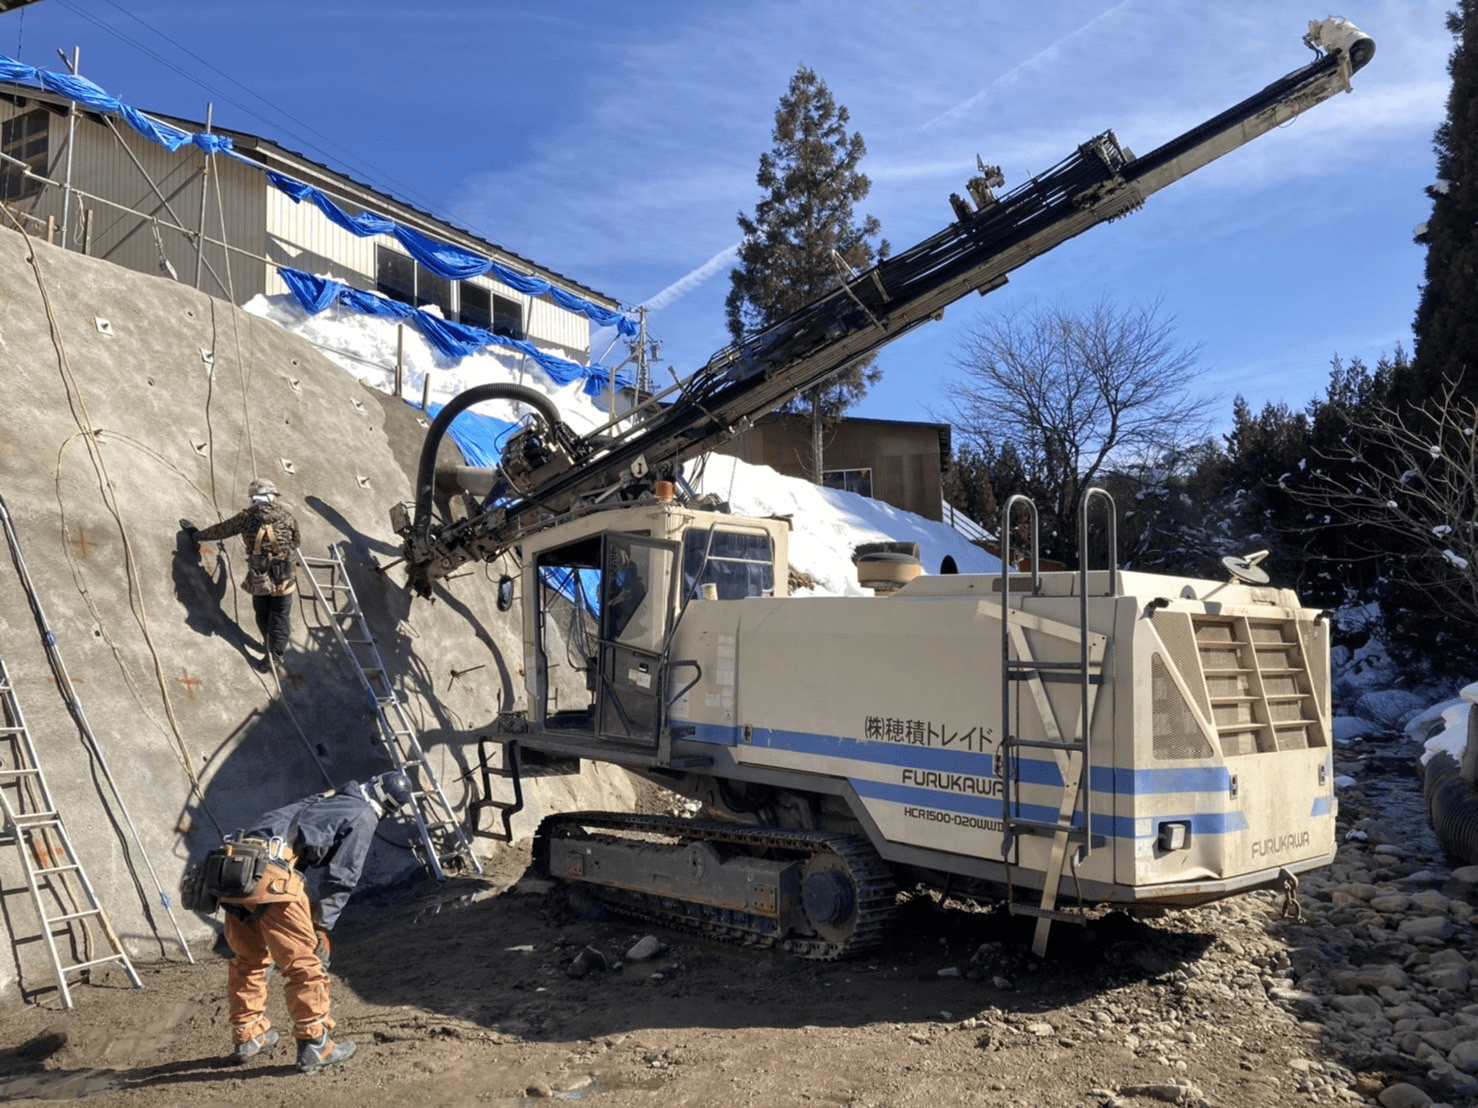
[(1452, 803)]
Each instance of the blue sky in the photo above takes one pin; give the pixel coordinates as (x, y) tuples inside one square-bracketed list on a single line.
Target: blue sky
[(617, 143)]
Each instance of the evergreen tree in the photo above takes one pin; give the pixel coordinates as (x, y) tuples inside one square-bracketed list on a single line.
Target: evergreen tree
[(1447, 315), (801, 225), (968, 486)]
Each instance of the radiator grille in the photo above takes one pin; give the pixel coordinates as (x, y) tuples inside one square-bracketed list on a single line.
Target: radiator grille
[(1177, 736), (1263, 696)]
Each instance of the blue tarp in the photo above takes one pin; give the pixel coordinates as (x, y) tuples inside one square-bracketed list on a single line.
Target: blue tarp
[(88, 94), (451, 262), (479, 437), (443, 259), (455, 340)]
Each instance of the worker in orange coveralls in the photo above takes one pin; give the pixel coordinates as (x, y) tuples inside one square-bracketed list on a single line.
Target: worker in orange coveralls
[(275, 922)]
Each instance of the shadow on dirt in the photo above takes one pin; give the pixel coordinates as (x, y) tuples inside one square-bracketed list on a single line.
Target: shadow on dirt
[(533, 963)]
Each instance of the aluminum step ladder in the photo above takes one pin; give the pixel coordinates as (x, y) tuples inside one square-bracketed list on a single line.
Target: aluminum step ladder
[(34, 825), (1070, 744), (442, 840)]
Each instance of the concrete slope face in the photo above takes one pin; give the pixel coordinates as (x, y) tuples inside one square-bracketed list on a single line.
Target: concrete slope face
[(130, 404)]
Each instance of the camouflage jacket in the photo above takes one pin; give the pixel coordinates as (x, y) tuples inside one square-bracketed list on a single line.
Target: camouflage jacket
[(252, 519)]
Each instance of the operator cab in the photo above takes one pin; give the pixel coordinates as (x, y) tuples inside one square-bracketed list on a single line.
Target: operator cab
[(610, 591)]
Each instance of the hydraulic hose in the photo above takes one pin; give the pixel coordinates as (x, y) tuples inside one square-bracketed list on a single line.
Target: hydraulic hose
[(426, 471)]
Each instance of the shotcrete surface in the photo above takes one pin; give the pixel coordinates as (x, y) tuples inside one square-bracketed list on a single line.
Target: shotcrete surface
[(133, 403)]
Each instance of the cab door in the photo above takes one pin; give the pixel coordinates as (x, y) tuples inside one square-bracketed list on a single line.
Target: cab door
[(638, 582)]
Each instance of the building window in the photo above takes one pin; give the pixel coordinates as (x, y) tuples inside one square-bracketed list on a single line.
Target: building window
[(23, 138), (476, 306), (399, 277), (395, 275), (507, 317), (848, 480)]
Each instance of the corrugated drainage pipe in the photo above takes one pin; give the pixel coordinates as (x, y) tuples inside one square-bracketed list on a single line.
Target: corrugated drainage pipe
[(1452, 803)]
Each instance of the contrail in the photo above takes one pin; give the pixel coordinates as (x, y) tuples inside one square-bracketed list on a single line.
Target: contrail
[(685, 284), (1015, 69)]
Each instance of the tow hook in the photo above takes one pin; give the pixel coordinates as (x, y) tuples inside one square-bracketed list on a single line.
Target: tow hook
[(1292, 909)]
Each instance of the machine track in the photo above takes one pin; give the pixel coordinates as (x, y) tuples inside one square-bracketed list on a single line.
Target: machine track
[(851, 856)]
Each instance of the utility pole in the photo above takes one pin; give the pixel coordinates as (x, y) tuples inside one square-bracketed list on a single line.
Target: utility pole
[(204, 189), (73, 65)]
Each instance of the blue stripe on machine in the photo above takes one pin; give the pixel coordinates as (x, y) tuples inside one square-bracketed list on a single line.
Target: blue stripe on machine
[(978, 763), (1148, 782), (1034, 771), (1102, 779), (1323, 806), (1114, 827)]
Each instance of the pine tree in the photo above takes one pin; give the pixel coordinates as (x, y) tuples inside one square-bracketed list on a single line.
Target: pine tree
[(1447, 315), (802, 223), (967, 485)]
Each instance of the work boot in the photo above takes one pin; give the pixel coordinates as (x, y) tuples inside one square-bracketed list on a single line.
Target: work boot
[(248, 1050), (314, 1054)]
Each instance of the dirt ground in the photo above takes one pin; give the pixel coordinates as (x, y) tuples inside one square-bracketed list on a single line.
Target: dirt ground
[(468, 1000)]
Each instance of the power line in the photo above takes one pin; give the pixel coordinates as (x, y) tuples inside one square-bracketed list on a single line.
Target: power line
[(370, 173)]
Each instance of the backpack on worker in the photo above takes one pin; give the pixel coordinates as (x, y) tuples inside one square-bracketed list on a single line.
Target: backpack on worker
[(269, 567)]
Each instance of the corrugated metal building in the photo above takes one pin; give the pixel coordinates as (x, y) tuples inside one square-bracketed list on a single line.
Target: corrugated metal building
[(177, 213)]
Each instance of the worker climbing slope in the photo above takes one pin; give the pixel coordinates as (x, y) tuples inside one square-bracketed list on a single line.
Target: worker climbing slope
[(270, 534)]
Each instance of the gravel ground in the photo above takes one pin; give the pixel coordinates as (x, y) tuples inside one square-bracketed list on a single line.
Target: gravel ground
[(499, 993)]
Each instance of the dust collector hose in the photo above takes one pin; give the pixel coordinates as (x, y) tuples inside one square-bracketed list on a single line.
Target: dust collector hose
[(1452, 802), (426, 472)]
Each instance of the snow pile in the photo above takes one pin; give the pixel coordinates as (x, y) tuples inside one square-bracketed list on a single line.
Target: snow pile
[(826, 524), (1444, 726), (366, 347), (1373, 697)]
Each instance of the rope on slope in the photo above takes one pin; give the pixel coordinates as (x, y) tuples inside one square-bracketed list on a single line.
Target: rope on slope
[(110, 501)]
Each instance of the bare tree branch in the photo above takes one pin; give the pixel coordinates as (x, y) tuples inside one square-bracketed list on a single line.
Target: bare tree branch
[(1078, 394)]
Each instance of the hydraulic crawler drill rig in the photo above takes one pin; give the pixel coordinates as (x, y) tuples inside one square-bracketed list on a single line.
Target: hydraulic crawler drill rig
[(1094, 737)]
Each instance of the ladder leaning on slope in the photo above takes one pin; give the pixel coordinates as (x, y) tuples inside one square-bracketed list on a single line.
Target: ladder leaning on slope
[(34, 825), (441, 833)]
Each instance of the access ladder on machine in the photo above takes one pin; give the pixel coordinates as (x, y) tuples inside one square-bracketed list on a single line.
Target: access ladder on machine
[(1070, 746), (441, 833), (34, 825)]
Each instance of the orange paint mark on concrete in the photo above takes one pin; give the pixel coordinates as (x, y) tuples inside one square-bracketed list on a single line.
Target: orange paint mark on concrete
[(190, 683)]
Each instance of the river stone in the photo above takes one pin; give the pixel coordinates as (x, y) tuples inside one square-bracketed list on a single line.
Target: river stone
[(1361, 1005), (1389, 903), (1468, 875), (1465, 1055), (1432, 902), (1452, 979), (1428, 929), (1374, 976), (1445, 1041), (1403, 1096), (645, 949)]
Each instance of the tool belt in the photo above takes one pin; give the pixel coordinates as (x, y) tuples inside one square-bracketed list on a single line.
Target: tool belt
[(233, 870)]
